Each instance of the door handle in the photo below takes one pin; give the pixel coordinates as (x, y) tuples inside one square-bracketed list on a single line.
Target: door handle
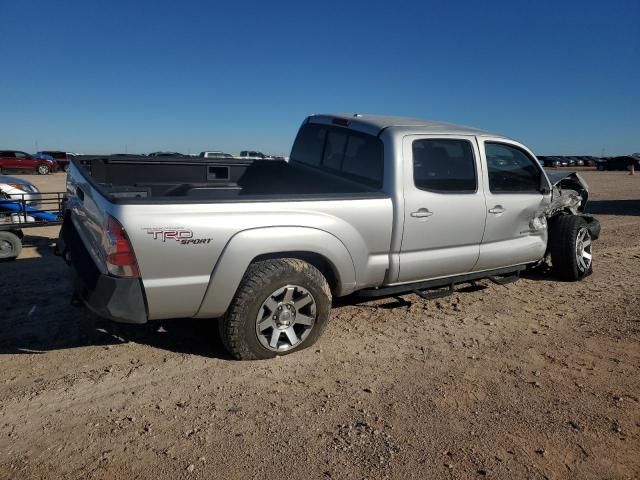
[(498, 209), (421, 213)]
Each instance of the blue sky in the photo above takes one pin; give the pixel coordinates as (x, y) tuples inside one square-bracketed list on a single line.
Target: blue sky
[(105, 76)]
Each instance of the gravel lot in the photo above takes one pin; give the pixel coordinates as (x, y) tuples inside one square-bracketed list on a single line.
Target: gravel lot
[(536, 379)]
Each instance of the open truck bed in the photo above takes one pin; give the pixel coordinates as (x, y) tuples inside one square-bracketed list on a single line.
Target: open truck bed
[(124, 179)]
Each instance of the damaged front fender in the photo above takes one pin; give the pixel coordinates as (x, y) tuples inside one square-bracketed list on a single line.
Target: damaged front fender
[(570, 193)]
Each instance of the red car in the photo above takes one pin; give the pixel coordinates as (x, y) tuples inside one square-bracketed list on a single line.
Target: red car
[(61, 158), (14, 161)]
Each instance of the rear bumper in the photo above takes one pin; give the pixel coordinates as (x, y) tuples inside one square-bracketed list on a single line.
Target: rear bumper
[(118, 299)]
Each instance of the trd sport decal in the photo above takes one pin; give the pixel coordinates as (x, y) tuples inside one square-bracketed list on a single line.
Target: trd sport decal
[(182, 236)]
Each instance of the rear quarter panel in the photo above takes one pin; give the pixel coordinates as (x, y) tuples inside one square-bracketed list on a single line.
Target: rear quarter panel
[(179, 269)]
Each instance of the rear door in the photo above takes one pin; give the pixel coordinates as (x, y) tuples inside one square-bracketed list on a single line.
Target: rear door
[(445, 209), (517, 192)]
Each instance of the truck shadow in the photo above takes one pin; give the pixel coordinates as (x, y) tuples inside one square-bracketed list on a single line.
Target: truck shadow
[(36, 315)]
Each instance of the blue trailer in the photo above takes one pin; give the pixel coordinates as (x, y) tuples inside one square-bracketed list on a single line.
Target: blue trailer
[(16, 214)]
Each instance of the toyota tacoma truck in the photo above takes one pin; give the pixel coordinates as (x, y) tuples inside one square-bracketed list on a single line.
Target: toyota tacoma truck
[(373, 205)]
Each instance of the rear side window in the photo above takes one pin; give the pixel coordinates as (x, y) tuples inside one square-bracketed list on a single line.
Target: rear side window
[(351, 154), (511, 170), (444, 166)]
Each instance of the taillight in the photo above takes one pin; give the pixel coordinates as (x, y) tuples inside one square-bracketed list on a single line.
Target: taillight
[(120, 259)]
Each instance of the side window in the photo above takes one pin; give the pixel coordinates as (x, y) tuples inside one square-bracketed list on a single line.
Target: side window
[(511, 170), (444, 166), (309, 145), (21, 155)]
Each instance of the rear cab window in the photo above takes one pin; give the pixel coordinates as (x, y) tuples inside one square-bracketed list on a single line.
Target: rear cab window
[(341, 151)]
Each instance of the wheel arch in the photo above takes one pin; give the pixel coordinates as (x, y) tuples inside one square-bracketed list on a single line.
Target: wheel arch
[(317, 247)]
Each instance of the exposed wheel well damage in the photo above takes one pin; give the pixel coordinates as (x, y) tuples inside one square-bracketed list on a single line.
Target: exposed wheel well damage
[(569, 194)]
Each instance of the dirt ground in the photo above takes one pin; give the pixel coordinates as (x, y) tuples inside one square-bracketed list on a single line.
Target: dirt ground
[(536, 379)]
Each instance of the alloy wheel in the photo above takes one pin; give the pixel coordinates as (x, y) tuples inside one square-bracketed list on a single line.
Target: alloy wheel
[(286, 318)]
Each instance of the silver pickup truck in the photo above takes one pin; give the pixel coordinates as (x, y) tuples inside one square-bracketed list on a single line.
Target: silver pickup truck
[(369, 204)]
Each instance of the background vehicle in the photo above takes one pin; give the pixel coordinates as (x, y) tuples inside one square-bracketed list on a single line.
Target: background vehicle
[(22, 205), (61, 158), (17, 161), (548, 162), (18, 189), (369, 204), (215, 154), (619, 163), (161, 154), (252, 154)]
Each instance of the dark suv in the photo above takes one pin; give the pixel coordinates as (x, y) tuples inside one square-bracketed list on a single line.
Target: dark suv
[(17, 161), (61, 158), (619, 163)]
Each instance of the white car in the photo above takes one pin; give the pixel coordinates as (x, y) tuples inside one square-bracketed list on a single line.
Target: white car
[(15, 188), (18, 189)]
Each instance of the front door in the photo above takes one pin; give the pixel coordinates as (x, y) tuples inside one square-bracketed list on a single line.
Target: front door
[(23, 161), (445, 209), (517, 193)]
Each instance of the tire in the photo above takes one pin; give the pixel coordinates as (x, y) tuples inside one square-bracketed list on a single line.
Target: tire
[(43, 169), (10, 246), (570, 245), (286, 299)]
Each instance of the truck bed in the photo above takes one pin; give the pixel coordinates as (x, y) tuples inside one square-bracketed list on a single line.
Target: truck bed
[(137, 179)]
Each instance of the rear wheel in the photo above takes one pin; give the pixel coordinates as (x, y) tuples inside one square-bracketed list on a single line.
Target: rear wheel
[(571, 247), (281, 306), (600, 167), (43, 169), (10, 246)]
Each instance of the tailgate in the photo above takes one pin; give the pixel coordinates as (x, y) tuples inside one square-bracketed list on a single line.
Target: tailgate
[(88, 211)]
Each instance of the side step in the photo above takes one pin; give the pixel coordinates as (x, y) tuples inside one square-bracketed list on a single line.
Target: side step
[(502, 276), (432, 294), (505, 279)]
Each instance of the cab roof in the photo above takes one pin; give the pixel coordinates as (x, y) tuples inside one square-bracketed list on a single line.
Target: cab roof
[(374, 124)]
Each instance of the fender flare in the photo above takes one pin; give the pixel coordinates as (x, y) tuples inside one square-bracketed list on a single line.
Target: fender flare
[(246, 245)]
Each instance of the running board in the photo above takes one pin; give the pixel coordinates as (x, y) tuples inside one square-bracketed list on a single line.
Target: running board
[(505, 279), (435, 293), (503, 273)]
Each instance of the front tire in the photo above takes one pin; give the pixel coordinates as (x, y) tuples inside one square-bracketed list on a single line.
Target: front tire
[(43, 170), (570, 244), (281, 306), (10, 246)]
